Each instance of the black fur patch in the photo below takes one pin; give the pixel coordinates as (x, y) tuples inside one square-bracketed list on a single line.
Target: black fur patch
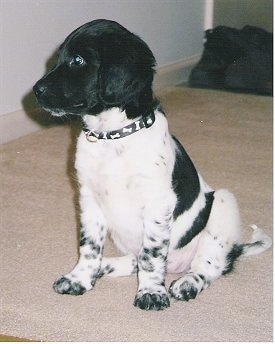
[(93, 73), (185, 181), (82, 239), (235, 253), (107, 270), (153, 252), (199, 223)]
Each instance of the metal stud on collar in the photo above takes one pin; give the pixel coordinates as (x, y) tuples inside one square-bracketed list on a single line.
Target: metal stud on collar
[(91, 138)]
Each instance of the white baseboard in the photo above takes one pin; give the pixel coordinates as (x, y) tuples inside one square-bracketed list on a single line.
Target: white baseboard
[(175, 73), (17, 124)]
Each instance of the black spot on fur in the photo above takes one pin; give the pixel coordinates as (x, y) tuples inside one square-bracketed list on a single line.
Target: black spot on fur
[(93, 280), (88, 256), (199, 223), (145, 263), (235, 252), (154, 252), (196, 279), (107, 270), (152, 239), (83, 239), (202, 278), (95, 248), (165, 242)]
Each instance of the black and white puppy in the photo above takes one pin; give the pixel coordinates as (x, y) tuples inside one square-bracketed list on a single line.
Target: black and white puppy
[(136, 180)]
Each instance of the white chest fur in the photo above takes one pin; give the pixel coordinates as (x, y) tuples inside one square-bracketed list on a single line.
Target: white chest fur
[(128, 175)]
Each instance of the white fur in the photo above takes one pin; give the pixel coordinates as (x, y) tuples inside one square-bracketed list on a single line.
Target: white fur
[(124, 177), (126, 189)]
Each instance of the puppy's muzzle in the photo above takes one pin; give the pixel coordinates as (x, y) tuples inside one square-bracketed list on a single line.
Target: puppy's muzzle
[(40, 90)]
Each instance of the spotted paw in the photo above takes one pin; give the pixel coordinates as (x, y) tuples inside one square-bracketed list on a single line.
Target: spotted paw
[(186, 288), (64, 285), (152, 301)]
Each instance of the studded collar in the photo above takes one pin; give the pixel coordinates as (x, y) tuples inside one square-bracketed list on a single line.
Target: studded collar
[(140, 123)]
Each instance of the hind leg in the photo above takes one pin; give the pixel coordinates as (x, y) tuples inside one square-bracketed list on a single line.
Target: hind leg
[(217, 249), (118, 266)]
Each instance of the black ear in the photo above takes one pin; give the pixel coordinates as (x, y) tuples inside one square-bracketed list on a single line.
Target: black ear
[(126, 74)]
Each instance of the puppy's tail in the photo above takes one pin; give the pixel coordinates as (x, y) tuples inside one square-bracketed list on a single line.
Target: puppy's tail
[(258, 243)]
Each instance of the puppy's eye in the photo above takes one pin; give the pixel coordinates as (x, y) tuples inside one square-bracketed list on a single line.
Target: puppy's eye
[(77, 60)]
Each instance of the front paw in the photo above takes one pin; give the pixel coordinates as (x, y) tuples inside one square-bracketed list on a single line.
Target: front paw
[(152, 301), (64, 285)]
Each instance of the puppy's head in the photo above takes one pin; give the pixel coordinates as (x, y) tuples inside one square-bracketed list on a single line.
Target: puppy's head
[(100, 65)]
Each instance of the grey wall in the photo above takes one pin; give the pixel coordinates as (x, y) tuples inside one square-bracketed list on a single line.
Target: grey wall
[(32, 29), (237, 13)]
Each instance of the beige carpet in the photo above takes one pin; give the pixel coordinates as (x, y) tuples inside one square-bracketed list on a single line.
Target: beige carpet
[(229, 137)]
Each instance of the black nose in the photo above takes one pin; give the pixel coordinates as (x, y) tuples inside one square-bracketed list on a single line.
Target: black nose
[(39, 88)]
